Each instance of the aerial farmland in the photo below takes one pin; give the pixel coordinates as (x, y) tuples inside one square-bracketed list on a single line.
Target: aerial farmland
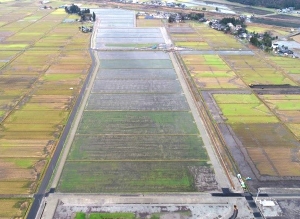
[(140, 117), (136, 127)]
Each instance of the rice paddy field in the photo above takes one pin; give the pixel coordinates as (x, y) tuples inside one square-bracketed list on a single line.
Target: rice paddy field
[(41, 58), (140, 22), (267, 126), (271, 146), (256, 70), (199, 36), (211, 72), (287, 108), (290, 66), (274, 30), (137, 133)]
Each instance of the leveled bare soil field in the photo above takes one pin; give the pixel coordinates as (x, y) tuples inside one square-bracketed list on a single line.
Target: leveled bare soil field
[(135, 102), (136, 64), (142, 56), (136, 74), (253, 10), (283, 22), (137, 86)]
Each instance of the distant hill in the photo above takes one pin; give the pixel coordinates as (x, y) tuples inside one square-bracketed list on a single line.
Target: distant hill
[(270, 3)]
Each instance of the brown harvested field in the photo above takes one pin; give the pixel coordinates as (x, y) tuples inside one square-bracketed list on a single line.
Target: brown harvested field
[(258, 135), (13, 208), (225, 83), (271, 147), (289, 116), (17, 169), (261, 162), (297, 38), (35, 92), (16, 151), (149, 23), (285, 160), (295, 129), (68, 69), (14, 188)]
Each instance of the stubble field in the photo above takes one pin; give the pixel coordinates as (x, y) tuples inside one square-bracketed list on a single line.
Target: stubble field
[(35, 94)]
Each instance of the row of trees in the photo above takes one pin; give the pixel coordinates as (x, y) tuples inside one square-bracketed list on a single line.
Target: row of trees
[(85, 14), (264, 42), (233, 20), (182, 17), (271, 3)]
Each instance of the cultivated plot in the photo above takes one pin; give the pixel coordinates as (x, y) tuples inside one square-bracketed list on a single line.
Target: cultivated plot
[(136, 133), (255, 70), (137, 86), (35, 98), (111, 122), (137, 102), (210, 71), (136, 74), (128, 176), (138, 147), (136, 64), (287, 108)]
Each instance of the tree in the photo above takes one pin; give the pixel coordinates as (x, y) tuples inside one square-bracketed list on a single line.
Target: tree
[(94, 16), (74, 9), (203, 9), (217, 9), (254, 41), (171, 19)]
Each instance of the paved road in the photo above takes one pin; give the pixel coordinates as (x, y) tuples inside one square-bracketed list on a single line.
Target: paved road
[(40, 194)]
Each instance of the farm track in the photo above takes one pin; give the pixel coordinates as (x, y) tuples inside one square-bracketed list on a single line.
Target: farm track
[(215, 135), (138, 134), (187, 160)]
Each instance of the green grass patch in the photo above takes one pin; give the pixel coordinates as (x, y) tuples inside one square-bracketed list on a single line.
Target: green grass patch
[(80, 215), (59, 77), (138, 147), (256, 109), (94, 177), (193, 45), (22, 162), (236, 98), (31, 117), (14, 46)]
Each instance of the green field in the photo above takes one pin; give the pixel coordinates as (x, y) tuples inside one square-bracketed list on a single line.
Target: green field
[(109, 176), (210, 71), (255, 70), (138, 147), (244, 108), (137, 123)]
